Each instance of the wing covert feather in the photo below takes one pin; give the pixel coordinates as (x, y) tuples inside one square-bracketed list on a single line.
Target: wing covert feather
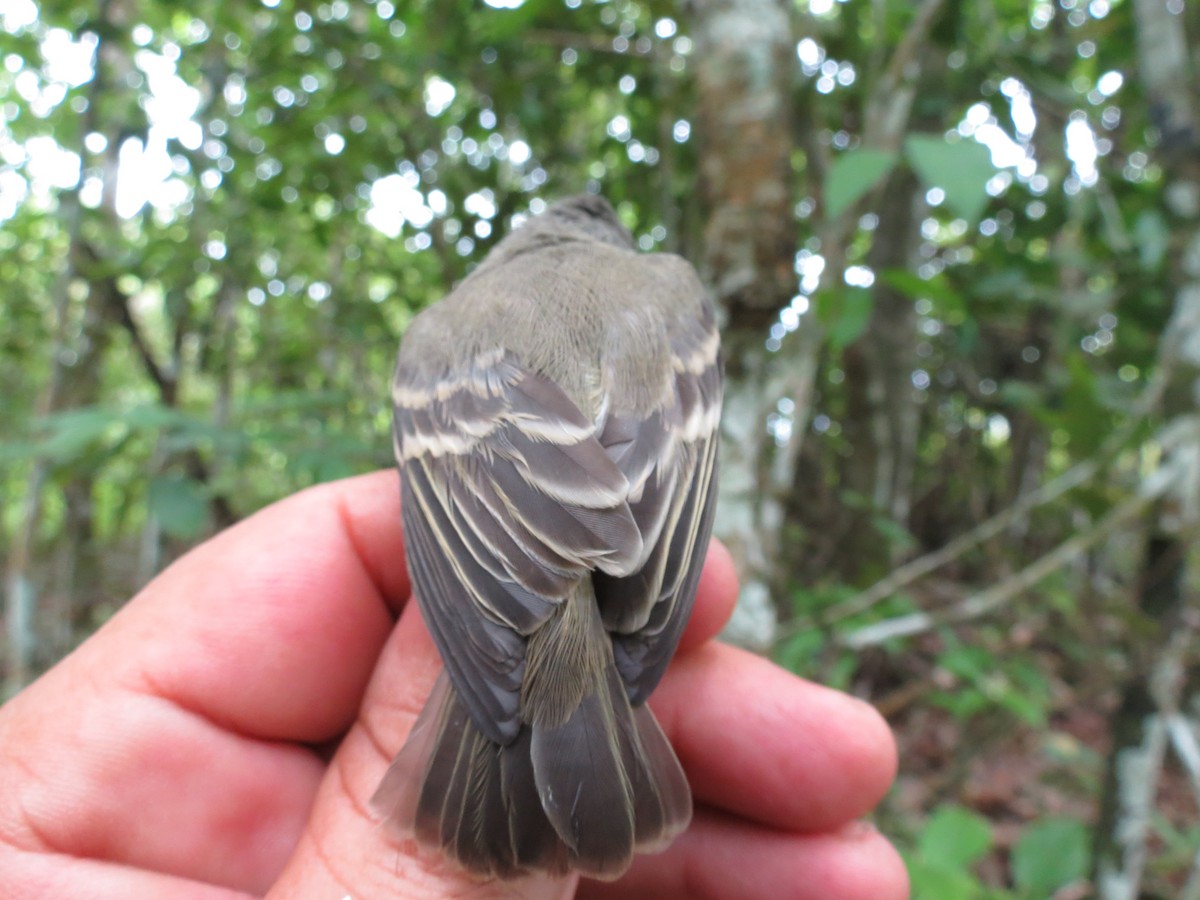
[(508, 500)]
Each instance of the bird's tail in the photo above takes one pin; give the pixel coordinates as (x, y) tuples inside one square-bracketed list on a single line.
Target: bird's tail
[(582, 794)]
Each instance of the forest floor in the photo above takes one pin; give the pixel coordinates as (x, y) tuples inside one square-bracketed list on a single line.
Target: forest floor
[(1014, 774)]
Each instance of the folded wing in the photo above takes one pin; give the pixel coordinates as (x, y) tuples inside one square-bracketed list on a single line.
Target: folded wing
[(508, 499), (669, 458)]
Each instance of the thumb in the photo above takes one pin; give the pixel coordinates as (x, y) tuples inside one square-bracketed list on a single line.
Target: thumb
[(344, 851)]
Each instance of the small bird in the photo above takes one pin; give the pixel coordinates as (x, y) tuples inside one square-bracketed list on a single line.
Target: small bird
[(555, 424)]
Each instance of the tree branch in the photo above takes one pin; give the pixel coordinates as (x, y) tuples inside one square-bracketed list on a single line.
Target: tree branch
[(887, 110), (993, 598), (574, 40), (116, 300)]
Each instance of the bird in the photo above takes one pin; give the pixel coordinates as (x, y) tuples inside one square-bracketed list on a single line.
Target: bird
[(556, 421)]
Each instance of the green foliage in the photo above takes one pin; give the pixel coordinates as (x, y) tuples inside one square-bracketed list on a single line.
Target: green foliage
[(807, 651), (63, 437), (946, 302), (180, 503), (852, 175), (954, 838), (814, 652), (961, 169), (1050, 854), (798, 651), (986, 680), (846, 312), (951, 843), (267, 297)]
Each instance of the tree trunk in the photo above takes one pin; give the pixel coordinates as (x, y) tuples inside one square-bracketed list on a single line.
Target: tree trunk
[(746, 66), (882, 414), (745, 53)]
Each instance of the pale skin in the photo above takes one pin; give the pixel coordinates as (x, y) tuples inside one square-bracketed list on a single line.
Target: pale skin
[(220, 737)]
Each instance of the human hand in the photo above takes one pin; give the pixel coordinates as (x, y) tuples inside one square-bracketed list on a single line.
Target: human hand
[(220, 736)]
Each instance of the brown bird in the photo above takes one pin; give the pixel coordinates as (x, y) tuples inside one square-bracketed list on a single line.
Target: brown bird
[(556, 428)]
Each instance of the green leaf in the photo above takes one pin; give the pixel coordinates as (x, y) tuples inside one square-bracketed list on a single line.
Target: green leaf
[(961, 169), (798, 652), (1086, 420), (71, 433), (1023, 395), (1049, 855), (180, 503), (954, 838), (850, 317), (1028, 694), (933, 880), (947, 302), (1152, 235), (894, 533), (853, 174), (1004, 284)]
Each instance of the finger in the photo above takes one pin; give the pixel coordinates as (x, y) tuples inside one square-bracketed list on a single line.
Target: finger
[(715, 598), (98, 773), (268, 631), (759, 742), (723, 857), (271, 629), (48, 875)]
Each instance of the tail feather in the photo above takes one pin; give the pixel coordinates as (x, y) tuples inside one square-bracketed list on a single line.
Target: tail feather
[(584, 788), (661, 796), (459, 803), (536, 845), (583, 794), (399, 793)]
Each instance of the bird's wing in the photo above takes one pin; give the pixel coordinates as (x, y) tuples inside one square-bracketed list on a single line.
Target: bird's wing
[(670, 460), (508, 500)]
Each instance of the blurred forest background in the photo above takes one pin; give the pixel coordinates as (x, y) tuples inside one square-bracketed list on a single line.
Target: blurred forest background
[(957, 249)]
